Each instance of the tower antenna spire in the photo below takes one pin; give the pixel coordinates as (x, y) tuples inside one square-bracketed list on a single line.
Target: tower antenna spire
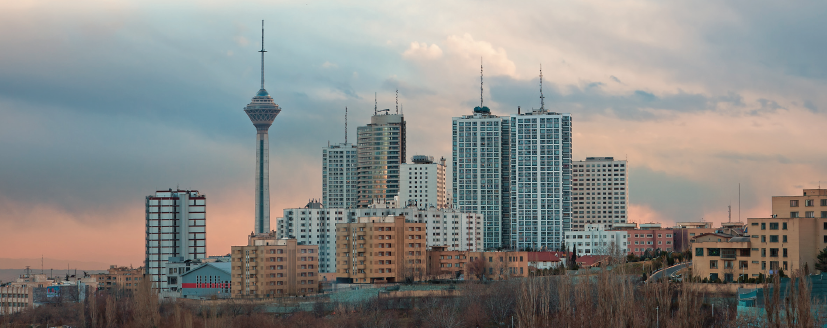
[(480, 82), (262, 51), (374, 104), (542, 99), (397, 101), (345, 124)]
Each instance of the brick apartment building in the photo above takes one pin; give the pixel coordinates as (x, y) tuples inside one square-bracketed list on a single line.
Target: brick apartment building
[(445, 264), (650, 237), (119, 278), (271, 267), (789, 240), (380, 249)]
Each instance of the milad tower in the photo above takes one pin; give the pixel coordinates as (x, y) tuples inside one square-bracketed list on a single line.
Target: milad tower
[(262, 111)]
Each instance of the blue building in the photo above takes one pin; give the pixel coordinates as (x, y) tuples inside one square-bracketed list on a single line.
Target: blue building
[(207, 281)]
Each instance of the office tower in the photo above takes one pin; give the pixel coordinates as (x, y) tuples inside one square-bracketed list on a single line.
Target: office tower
[(539, 168), (262, 110), (478, 180), (423, 182), (599, 192), (175, 227), (381, 149), (339, 176)]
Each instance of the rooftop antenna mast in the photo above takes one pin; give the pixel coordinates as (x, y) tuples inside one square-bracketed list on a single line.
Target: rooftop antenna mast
[(345, 124), (729, 209), (480, 82), (397, 101), (374, 103), (262, 51), (542, 99)]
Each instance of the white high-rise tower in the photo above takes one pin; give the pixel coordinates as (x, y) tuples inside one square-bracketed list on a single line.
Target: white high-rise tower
[(262, 111)]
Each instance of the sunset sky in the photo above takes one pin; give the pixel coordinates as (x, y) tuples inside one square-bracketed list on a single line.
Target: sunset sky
[(103, 102)]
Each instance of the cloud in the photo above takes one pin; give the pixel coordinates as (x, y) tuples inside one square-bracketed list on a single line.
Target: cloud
[(328, 64), (422, 51), (405, 89), (469, 51), (615, 79)]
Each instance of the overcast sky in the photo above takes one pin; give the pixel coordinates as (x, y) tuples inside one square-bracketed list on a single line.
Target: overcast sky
[(103, 102)]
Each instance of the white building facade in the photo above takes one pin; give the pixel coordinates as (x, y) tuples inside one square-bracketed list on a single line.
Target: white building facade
[(339, 176), (175, 227), (478, 175), (539, 183), (422, 183), (599, 192), (594, 240), (316, 225)]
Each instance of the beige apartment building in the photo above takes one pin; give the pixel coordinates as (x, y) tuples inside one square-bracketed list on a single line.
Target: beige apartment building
[(271, 267), (790, 240), (119, 278), (15, 299), (380, 249)]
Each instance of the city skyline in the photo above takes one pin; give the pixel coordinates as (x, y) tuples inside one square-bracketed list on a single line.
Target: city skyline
[(90, 106)]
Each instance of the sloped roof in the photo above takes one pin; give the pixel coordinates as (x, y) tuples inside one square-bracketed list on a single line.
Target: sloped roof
[(223, 266), (543, 257), (590, 260)]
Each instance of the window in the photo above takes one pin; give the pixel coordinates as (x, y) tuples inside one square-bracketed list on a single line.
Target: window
[(713, 264), (713, 251), (773, 252), (824, 202), (808, 202), (810, 214), (763, 238), (743, 265), (784, 252), (784, 226), (773, 238), (793, 203), (763, 252), (793, 214), (784, 238), (764, 226), (774, 226), (824, 214)]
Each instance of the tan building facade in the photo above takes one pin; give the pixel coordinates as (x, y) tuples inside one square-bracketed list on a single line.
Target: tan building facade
[(270, 267), (380, 249), (770, 244), (444, 264), (119, 278), (14, 299)]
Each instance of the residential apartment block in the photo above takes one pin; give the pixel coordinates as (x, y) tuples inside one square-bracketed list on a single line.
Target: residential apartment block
[(175, 227), (597, 240), (599, 191), (15, 299), (272, 267), (650, 237), (422, 183), (447, 264), (380, 249), (122, 278), (787, 241), (316, 225), (339, 176)]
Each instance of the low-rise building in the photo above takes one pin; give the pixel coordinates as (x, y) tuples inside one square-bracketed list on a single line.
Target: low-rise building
[(597, 241), (15, 299), (116, 277), (650, 237), (272, 267), (769, 244), (448, 264), (381, 249)]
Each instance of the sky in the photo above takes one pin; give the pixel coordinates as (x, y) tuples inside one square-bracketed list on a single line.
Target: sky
[(104, 102)]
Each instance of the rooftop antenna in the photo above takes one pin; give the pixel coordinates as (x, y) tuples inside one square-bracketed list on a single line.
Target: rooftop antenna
[(739, 202), (542, 102), (729, 209), (374, 103), (397, 101), (262, 51), (345, 124), (480, 82)]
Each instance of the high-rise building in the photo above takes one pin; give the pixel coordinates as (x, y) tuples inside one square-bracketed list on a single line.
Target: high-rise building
[(539, 168), (262, 110), (175, 227), (478, 179), (423, 182), (381, 149), (599, 192), (339, 176)]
